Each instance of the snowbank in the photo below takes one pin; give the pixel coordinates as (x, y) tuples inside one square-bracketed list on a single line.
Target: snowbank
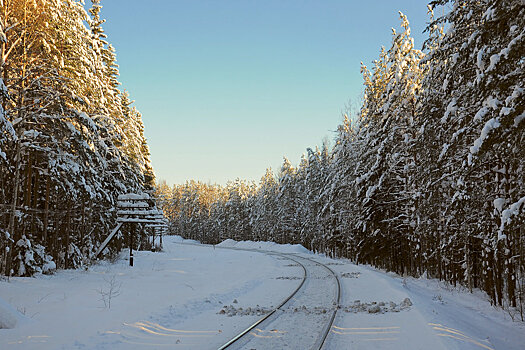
[(179, 239), (269, 246), (9, 317)]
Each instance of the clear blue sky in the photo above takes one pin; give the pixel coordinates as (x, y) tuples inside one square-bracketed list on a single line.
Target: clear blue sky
[(227, 88)]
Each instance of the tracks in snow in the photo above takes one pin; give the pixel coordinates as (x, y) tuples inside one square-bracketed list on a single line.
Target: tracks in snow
[(304, 319)]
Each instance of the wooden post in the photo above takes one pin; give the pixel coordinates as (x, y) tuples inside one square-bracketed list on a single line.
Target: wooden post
[(131, 244), (153, 229)]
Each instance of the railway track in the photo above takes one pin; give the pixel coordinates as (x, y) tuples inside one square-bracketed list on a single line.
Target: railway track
[(271, 317), (252, 334)]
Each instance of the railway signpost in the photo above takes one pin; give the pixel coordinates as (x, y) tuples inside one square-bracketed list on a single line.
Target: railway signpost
[(136, 208)]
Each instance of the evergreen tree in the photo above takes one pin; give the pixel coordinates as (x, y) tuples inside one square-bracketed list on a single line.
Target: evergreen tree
[(61, 168)]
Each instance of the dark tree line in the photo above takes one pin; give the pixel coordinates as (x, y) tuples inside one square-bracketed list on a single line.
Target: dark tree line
[(70, 140), (427, 178)]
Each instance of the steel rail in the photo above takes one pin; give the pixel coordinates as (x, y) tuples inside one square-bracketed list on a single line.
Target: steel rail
[(240, 335), (338, 300), (328, 327)]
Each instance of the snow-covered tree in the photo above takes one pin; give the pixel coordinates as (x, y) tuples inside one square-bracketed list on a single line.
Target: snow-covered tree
[(61, 167)]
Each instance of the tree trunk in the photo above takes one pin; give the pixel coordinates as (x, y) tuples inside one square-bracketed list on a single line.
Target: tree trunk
[(46, 210), (67, 233), (13, 206)]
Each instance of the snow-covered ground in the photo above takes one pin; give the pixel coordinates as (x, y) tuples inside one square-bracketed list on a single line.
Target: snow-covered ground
[(194, 296), (439, 317)]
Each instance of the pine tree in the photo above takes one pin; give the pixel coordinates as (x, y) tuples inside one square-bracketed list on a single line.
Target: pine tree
[(264, 212), (63, 169), (288, 225)]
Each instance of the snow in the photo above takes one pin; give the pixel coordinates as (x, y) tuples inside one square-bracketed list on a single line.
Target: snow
[(451, 108), (479, 58), (492, 102), (49, 266), (3, 88), (489, 14), (490, 125), (269, 246), (162, 299), (9, 317), (443, 150), (507, 214), (30, 134), (505, 111), (196, 296), (445, 84), (454, 58), (519, 119), (498, 204), (133, 196), (370, 191), (494, 60), (132, 204), (90, 123), (481, 113), (441, 317)]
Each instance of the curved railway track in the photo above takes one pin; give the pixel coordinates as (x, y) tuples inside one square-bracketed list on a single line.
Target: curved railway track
[(338, 301), (273, 315)]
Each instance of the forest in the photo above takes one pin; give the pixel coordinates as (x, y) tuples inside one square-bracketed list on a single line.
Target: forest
[(426, 178), (70, 139)]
